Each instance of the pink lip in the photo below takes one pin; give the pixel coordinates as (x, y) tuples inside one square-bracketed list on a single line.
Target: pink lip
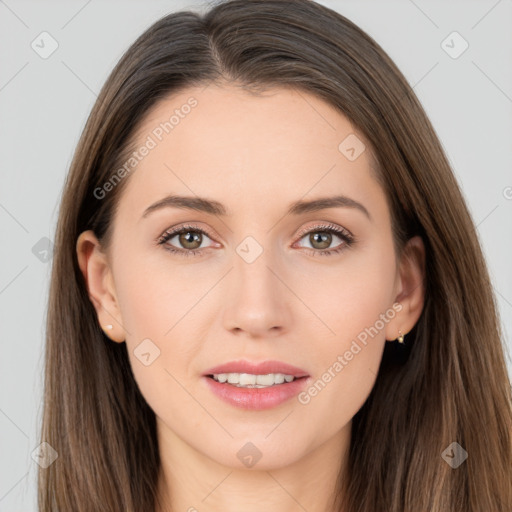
[(256, 398), (263, 368)]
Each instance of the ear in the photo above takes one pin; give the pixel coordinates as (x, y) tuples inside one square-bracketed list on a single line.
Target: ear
[(95, 268), (411, 289)]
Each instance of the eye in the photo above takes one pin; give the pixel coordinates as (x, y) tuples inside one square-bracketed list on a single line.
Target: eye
[(189, 237), (321, 237)]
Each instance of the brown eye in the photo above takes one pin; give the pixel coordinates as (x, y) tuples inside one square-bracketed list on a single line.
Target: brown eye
[(320, 239), (190, 239), (186, 240)]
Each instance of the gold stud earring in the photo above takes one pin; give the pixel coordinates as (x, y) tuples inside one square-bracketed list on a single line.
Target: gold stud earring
[(400, 337)]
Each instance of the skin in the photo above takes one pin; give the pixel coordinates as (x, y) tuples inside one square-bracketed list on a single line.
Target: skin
[(256, 155)]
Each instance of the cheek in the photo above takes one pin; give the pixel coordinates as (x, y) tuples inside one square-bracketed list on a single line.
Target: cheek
[(356, 306), (350, 294), (162, 313), (155, 294)]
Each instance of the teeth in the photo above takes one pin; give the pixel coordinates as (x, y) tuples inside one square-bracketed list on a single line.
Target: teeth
[(248, 380)]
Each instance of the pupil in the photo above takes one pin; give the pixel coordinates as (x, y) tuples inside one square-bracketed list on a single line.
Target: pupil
[(325, 239), (185, 239)]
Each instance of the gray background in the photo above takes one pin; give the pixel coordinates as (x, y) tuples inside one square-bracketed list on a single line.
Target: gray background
[(44, 104)]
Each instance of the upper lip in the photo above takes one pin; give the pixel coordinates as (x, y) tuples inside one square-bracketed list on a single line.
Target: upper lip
[(262, 368)]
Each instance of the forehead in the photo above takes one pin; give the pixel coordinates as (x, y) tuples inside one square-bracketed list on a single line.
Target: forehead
[(219, 117), (222, 140)]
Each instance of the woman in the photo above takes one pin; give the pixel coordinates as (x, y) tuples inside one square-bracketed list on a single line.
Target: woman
[(202, 353)]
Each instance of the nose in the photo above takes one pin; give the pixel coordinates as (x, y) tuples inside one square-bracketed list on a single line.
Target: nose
[(257, 301)]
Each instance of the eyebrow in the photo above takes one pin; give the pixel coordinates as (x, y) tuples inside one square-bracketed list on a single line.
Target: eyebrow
[(210, 206)]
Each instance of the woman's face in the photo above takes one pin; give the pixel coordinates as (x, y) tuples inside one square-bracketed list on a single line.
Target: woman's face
[(313, 288)]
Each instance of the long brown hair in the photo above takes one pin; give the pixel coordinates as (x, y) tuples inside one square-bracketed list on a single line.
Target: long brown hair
[(449, 385)]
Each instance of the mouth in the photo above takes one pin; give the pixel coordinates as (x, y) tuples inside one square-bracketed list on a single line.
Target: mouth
[(248, 380), (247, 374), (256, 386)]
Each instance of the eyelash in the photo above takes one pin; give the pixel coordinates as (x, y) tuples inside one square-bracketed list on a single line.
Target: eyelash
[(347, 238)]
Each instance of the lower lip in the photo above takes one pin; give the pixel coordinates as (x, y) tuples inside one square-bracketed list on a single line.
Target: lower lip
[(256, 398)]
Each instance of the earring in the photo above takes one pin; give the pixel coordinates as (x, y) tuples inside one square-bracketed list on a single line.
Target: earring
[(106, 328), (400, 337)]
